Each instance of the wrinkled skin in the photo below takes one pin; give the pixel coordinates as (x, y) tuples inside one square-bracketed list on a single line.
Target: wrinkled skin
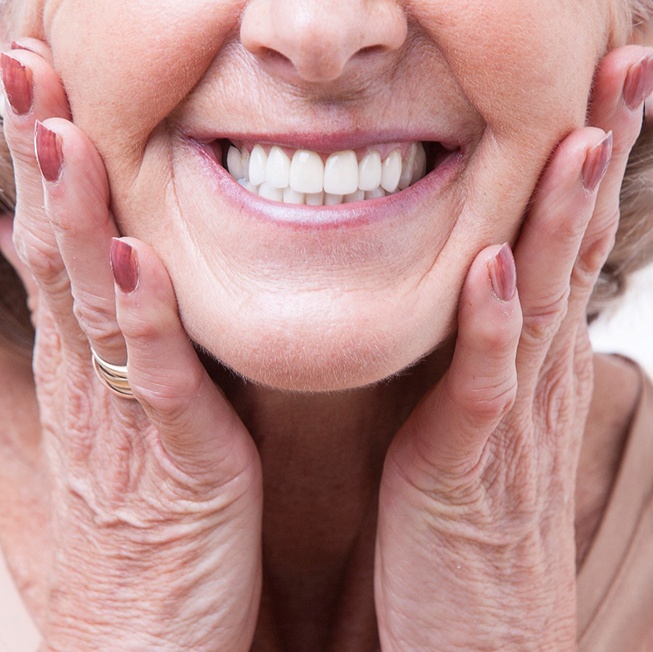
[(415, 265), (159, 501)]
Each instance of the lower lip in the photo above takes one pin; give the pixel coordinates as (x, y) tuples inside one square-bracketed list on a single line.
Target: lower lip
[(338, 216)]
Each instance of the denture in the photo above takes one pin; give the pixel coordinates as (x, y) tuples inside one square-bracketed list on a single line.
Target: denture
[(303, 176)]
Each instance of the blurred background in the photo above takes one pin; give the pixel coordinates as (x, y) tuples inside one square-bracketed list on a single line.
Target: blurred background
[(628, 327)]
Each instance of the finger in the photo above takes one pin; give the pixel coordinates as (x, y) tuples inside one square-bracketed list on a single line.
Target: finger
[(451, 426), (33, 92), (199, 429), (76, 193), (623, 81), (33, 45), (550, 240)]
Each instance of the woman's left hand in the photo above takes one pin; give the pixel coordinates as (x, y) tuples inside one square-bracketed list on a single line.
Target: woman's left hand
[(475, 544)]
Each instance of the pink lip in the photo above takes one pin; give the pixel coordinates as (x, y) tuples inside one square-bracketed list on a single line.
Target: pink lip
[(320, 142), (338, 216)]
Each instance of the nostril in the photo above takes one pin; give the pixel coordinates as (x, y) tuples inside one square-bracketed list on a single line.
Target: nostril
[(273, 55), (371, 50), (318, 39)]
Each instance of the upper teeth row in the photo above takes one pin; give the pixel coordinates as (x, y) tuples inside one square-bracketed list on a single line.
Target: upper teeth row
[(275, 175)]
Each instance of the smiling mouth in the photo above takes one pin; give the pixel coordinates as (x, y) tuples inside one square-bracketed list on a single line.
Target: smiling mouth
[(306, 177)]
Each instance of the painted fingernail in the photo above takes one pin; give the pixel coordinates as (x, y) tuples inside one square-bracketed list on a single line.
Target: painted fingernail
[(124, 264), (49, 152), (639, 83), (503, 274), (17, 80), (597, 161)]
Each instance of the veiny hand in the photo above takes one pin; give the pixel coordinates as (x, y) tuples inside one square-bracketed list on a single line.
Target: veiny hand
[(156, 503), (475, 546)]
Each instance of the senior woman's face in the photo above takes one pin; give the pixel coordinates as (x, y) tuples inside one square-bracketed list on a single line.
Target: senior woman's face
[(313, 297)]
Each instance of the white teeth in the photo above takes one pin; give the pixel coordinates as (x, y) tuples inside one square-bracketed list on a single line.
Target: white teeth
[(235, 163), (332, 200), (377, 193), (391, 171), (359, 195), (315, 199), (370, 170), (277, 171), (305, 179), (258, 162), (268, 191), (307, 172), (341, 173), (292, 197)]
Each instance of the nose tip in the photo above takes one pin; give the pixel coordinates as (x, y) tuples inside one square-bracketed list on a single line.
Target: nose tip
[(318, 40)]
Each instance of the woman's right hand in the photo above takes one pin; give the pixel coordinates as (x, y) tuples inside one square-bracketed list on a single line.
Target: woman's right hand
[(156, 502)]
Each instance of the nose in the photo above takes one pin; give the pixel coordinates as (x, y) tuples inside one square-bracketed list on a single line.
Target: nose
[(317, 40)]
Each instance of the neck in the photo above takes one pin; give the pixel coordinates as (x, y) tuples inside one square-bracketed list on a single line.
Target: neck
[(322, 457)]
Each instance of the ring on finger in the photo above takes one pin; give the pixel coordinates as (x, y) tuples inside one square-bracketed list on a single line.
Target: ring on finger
[(112, 376)]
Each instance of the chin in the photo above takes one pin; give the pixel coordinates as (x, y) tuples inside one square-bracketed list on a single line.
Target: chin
[(318, 357)]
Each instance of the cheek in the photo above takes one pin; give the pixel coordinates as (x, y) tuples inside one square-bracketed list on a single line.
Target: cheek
[(521, 62), (126, 64)]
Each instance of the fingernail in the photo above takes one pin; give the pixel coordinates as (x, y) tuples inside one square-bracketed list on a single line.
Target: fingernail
[(17, 80), (49, 152), (639, 83), (503, 274), (124, 264), (597, 161)]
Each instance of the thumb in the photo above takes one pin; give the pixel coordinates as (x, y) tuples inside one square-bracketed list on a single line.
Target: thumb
[(448, 430)]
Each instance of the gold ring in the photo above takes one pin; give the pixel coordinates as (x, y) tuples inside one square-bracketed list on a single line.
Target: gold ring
[(113, 376)]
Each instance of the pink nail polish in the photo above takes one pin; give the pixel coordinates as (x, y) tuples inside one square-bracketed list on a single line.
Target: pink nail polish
[(124, 265), (17, 80), (503, 274), (638, 84), (49, 152), (597, 161)]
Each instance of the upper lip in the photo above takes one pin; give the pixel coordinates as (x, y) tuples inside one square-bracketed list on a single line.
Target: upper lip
[(330, 142)]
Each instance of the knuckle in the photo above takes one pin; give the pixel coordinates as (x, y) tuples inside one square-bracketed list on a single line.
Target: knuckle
[(486, 399), (594, 253), (571, 228), (51, 276), (566, 226), (141, 332), (499, 338), (168, 395), (494, 402), (542, 321), (96, 316), (41, 258), (44, 267)]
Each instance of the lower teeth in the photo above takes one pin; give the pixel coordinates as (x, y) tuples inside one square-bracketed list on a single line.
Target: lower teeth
[(289, 196)]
